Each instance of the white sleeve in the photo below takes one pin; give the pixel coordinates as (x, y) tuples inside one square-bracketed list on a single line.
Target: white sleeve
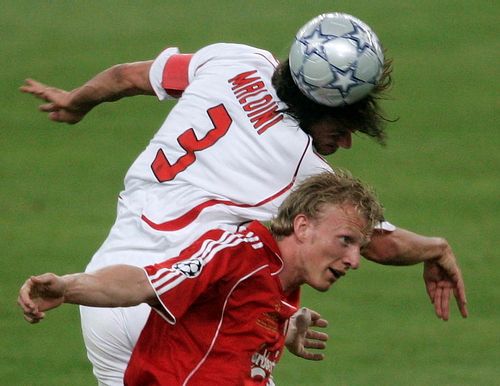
[(385, 226), (156, 72)]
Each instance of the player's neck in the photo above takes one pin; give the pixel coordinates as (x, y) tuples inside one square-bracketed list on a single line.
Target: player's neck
[(290, 276)]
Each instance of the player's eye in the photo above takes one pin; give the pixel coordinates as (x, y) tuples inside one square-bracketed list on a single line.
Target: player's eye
[(346, 240)]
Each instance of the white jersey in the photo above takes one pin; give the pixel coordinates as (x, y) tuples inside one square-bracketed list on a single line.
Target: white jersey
[(225, 154)]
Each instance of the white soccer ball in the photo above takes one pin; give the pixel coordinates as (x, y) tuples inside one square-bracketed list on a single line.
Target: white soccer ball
[(336, 59)]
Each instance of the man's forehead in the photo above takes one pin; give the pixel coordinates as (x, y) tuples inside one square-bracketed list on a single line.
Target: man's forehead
[(346, 215), (345, 211)]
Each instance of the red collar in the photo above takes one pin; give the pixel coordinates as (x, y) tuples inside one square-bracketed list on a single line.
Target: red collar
[(276, 263)]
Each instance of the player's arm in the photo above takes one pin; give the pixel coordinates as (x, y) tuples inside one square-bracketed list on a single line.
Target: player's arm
[(442, 274), (114, 286), (116, 82)]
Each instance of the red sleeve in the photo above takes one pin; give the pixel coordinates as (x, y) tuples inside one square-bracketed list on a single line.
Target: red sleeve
[(175, 74), (178, 282)]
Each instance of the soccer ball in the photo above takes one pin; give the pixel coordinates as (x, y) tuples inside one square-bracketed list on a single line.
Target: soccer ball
[(336, 59)]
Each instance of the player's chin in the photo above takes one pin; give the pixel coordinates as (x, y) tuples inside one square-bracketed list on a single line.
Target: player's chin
[(326, 149), (322, 286)]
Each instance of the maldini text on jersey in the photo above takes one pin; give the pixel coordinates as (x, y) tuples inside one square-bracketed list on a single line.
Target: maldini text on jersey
[(256, 101)]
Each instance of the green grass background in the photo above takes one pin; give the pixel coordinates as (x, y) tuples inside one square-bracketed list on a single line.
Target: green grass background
[(439, 175)]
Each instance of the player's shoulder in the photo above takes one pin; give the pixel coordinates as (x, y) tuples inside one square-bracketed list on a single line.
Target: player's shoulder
[(235, 51), (246, 238), (234, 253), (227, 49)]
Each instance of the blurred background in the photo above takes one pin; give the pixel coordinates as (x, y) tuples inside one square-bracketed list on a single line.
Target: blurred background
[(438, 175)]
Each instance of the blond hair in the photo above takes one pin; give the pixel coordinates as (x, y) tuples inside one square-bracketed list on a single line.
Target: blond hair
[(327, 188)]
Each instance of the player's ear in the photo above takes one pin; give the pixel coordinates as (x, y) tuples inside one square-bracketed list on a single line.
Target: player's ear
[(301, 227)]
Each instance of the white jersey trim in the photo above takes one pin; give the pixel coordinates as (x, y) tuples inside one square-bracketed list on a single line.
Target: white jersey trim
[(156, 72)]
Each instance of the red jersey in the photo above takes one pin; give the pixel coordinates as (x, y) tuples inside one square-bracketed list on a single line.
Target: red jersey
[(223, 314)]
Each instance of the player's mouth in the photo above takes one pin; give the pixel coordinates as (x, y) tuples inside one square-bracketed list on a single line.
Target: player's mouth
[(336, 274)]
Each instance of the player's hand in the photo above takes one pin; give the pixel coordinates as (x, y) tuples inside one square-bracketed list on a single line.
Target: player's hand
[(39, 294), (442, 277), (59, 106), (300, 337)]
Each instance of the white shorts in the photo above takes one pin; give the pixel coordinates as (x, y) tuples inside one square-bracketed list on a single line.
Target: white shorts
[(111, 333)]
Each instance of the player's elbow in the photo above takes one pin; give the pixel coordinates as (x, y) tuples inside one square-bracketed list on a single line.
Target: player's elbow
[(384, 248)]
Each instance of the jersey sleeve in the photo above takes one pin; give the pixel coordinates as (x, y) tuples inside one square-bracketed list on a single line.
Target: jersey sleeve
[(385, 226), (178, 282), (169, 73)]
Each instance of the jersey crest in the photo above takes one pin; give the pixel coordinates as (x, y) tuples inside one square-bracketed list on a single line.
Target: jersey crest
[(189, 268)]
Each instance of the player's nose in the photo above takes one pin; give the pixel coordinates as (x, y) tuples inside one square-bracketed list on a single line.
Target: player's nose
[(345, 141), (352, 258)]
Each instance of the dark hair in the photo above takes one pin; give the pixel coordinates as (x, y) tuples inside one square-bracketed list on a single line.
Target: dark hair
[(364, 116)]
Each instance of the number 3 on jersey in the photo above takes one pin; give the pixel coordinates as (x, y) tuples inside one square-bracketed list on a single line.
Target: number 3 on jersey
[(165, 171)]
